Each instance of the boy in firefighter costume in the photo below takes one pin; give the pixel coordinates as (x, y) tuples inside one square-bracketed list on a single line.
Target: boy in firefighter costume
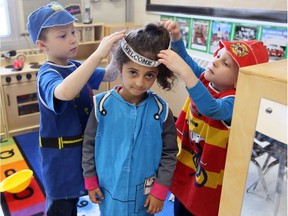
[(65, 101), (130, 147), (203, 125)]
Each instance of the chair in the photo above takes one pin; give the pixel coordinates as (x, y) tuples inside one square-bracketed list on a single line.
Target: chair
[(275, 151)]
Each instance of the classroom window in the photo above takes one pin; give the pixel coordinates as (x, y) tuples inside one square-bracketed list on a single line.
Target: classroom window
[(5, 29)]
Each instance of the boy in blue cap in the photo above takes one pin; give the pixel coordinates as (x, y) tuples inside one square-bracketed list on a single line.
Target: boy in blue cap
[(65, 101)]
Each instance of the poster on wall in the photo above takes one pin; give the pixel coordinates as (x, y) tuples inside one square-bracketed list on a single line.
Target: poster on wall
[(272, 11), (185, 28), (200, 33), (246, 32), (275, 40), (219, 31), (166, 17), (75, 10)]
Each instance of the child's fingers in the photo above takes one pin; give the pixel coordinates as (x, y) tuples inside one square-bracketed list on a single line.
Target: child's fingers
[(146, 202), (92, 196), (99, 194), (118, 34), (114, 37)]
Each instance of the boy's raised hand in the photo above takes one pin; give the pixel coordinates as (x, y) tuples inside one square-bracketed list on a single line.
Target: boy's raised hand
[(107, 43), (173, 61), (177, 65), (173, 29), (113, 68)]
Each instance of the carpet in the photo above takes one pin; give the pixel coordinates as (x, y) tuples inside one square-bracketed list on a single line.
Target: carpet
[(21, 152), (31, 201)]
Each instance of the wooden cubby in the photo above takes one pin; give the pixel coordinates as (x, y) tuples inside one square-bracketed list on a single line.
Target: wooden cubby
[(89, 33), (264, 81)]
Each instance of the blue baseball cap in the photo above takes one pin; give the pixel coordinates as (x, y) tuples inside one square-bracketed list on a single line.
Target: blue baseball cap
[(50, 15)]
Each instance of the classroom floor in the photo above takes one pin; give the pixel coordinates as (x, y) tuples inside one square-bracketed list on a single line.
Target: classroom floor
[(254, 203)]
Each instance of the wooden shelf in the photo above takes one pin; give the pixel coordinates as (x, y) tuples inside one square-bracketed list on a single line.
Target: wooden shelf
[(114, 27), (89, 32)]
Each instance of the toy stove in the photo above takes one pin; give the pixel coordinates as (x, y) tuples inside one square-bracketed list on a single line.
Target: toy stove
[(10, 76), (19, 95)]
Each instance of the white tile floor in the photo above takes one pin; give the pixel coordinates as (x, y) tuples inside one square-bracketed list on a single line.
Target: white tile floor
[(255, 203)]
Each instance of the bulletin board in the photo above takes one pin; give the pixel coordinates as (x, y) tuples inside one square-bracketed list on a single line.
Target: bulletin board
[(204, 34), (273, 11)]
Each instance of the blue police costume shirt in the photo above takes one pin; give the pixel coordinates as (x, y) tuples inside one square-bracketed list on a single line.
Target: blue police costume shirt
[(62, 124)]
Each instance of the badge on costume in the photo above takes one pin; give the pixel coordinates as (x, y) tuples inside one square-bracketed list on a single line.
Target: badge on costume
[(148, 183)]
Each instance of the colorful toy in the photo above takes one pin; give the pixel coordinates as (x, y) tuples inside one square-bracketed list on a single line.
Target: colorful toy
[(17, 182)]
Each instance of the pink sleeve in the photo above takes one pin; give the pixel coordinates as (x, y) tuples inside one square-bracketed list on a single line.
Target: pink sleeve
[(91, 183), (159, 191)]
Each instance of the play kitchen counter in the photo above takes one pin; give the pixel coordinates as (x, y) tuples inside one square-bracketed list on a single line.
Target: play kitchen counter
[(19, 105)]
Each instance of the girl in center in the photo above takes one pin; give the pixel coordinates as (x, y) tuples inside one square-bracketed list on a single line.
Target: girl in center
[(130, 147)]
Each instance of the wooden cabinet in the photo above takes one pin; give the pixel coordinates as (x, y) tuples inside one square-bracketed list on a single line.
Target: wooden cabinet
[(265, 82), (271, 118), (89, 36), (89, 33), (2, 117), (114, 27)]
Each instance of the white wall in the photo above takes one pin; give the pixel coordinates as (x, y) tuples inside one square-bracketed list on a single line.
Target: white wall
[(107, 11), (115, 12), (140, 15)]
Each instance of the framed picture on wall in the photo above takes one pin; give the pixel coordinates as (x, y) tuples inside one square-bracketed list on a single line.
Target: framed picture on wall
[(275, 40), (219, 31), (185, 28), (246, 32), (166, 17), (200, 35)]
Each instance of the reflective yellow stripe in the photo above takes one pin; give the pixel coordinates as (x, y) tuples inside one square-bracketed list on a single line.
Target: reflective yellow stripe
[(72, 141), (214, 136), (214, 179), (185, 157), (60, 142)]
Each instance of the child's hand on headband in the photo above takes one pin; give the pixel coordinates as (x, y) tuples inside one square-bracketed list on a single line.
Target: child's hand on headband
[(173, 29), (113, 68), (107, 43)]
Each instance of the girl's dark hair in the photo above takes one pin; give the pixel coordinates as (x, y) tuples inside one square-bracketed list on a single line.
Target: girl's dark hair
[(148, 41)]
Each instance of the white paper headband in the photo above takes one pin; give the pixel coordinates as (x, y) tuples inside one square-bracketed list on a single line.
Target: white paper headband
[(136, 57)]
